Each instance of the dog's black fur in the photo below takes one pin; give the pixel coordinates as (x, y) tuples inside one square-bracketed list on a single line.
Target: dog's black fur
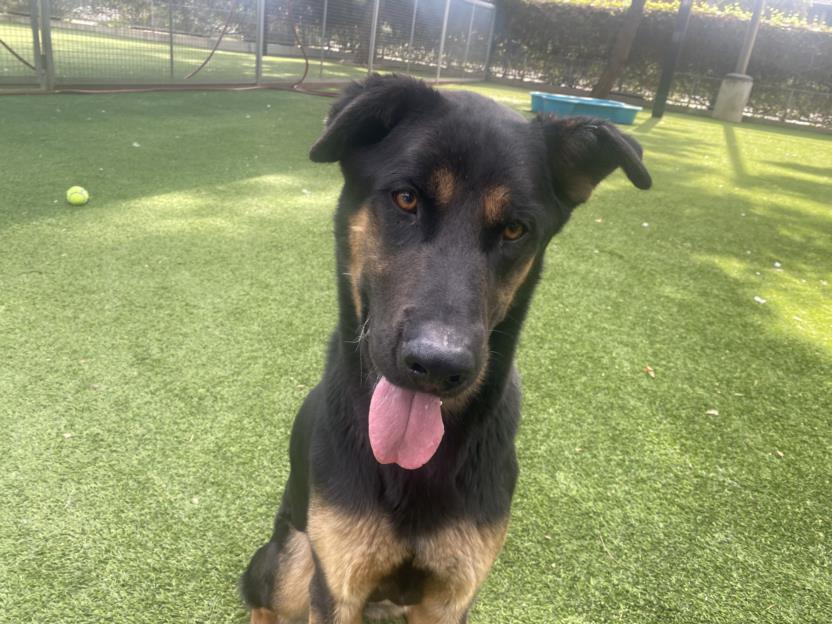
[(351, 531)]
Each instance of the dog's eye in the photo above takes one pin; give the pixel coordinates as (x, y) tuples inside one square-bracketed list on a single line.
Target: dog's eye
[(406, 200), (514, 230)]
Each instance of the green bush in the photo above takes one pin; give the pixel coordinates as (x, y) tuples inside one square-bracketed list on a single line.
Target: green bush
[(566, 44)]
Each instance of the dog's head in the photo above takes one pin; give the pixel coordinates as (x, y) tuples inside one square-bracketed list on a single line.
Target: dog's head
[(449, 202)]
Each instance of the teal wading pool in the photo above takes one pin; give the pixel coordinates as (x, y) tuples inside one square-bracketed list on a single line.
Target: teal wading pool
[(563, 105)]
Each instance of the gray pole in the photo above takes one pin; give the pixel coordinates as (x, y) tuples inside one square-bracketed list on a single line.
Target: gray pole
[(33, 21), (490, 41), (412, 33), (170, 36), (259, 40), (750, 37), (735, 89), (324, 41), (442, 40), (468, 40), (46, 43), (372, 49)]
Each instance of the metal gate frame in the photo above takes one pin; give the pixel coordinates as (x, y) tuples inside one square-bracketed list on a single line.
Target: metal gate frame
[(40, 16), (42, 43), (441, 53)]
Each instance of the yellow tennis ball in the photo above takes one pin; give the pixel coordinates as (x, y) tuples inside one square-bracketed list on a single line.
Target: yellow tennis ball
[(77, 196)]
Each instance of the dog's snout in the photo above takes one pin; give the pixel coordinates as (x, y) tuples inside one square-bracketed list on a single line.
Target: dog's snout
[(436, 368), (438, 359)]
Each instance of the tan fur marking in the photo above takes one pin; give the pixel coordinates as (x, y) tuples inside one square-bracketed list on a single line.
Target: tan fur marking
[(362, 247), (579, 189), (460, 558), (506, 293), (295, 568), (263, 616), (355, 552), (444, 185), (494, 203)]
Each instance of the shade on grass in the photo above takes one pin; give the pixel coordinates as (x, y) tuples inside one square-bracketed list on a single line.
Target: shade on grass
[(155, 344)]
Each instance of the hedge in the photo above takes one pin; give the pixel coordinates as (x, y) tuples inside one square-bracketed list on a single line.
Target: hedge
[(566, 45)]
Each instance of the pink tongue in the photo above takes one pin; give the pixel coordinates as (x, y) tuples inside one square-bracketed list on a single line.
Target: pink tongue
[(405, 426)]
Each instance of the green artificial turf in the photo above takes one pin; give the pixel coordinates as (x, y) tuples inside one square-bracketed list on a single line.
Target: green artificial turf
[(156, 343)]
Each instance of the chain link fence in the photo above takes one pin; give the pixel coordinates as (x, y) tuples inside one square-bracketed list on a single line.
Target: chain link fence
[(55, 44)]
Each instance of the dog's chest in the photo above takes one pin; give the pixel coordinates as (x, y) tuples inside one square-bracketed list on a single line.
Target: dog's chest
[(363, 553)]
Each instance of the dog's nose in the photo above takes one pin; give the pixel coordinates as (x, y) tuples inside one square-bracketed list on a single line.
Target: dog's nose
[(437, 360)]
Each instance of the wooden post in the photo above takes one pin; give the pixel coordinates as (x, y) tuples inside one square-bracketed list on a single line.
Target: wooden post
[(674, 52)]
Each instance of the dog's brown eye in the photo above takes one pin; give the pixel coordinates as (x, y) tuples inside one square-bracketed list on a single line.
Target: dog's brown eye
[(513, 231), (406, 200)]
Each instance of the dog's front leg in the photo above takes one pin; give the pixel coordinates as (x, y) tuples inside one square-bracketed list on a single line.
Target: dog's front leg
[(326, 608), (437, 613), (458, 558), (353, 553), (443, 603)]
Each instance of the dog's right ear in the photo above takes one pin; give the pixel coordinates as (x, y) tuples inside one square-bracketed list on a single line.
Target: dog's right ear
[(582, 151), (367, 112)]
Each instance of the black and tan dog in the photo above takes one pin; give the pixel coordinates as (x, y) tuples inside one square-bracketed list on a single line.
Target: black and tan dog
[(402, 458)]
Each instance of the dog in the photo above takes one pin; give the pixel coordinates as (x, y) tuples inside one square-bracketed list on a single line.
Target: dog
[(403, 464)]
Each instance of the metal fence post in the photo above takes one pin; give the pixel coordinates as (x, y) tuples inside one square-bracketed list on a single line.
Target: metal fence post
[(412, 33), (324, 40), (260, 40), (468, 40), (442, 40), (170, 36), (490, 42), (46, 43), (33, 21), (750, 37), (372, 51)]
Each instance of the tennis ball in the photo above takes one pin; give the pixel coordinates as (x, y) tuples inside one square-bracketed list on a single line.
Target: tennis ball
[(77, 196)]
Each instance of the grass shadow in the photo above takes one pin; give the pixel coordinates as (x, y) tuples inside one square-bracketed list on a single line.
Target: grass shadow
[(814, 170), (790, 184), (125, 147), (646, 126), (735, 155)]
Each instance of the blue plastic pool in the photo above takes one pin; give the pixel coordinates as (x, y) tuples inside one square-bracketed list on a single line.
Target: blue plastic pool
[(563, 105)]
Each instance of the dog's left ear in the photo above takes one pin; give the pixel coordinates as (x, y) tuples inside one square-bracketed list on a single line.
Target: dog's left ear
[(367, 112), (582, 151)]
